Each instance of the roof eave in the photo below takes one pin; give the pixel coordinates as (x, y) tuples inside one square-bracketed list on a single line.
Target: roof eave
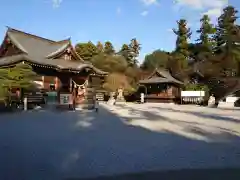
[(24, 57), (16, 43), (90, 66), (62, 49), (58, 51)]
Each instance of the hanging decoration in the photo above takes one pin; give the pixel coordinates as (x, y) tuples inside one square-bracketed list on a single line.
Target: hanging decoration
[(85, 84)]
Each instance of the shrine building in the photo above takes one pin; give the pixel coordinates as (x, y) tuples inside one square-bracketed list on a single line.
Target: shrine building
[(58, 66)]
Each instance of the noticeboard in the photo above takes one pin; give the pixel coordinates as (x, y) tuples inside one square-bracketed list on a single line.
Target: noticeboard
[(65, 99)]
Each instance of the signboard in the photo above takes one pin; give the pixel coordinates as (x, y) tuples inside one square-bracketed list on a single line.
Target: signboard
[(192, 93), (100, 96), (65, 99)]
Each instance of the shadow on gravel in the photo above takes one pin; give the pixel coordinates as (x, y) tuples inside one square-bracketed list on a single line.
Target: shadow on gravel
[(196, 174), (202, 115), (64, 145), (187, 125)]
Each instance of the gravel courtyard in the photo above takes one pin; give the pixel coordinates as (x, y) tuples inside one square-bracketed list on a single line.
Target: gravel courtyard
[(119, 139)]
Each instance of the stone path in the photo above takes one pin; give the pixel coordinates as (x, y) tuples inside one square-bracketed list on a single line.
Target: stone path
[(121, 139)]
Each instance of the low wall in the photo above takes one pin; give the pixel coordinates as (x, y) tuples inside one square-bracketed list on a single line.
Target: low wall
[(229, 102), (192, 97)]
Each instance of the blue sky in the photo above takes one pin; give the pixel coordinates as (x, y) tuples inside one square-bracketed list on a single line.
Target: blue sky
[(150, 21)]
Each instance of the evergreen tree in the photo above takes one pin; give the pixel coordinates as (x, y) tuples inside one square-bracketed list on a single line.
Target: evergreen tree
[(156, 59), (134, 48), (183, 34), (86, 50), (99, 47), (206, 32), (125, 52), (20, 76), (108, 48), (227, 39)]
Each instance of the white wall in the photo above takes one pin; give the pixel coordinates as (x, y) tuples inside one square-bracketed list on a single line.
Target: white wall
[(231, 99), (192, 93)]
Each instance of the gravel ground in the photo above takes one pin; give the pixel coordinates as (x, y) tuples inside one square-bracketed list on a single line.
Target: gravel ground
[(126, 138)]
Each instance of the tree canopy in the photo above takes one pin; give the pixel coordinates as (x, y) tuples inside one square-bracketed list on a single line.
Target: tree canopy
[(134, 48), (115, 81), (20, 76), (86, 50), (227, 38), (108, 48), (183, 34), (215, 52), (155, 60), (99, 47), (110, 63), (206, 42)]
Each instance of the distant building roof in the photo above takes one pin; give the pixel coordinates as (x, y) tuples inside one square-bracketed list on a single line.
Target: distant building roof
[(162, 76)]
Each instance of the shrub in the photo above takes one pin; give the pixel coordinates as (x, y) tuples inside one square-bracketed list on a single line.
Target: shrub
[(196, 87)]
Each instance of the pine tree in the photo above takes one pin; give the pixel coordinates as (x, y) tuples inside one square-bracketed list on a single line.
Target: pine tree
[(99, 47), (227, 39), (183, 34), (206, 32), (108, 48), (86, 50), (134, 48), (124, 48), (20, 76), (125, 52)]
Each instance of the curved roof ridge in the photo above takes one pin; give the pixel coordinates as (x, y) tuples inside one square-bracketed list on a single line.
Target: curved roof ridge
[(68, 40), (168, 75), (29, 34), (64, 47), (16, 43), (59, 50)]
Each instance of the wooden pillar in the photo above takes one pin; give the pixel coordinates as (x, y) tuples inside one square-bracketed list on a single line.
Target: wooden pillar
[(56, 83), (70, 84), (170, 91), (43, 81), (57, 88)]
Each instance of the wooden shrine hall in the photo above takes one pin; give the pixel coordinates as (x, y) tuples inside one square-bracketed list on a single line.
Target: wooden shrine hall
[(161, 86), (59, 67)]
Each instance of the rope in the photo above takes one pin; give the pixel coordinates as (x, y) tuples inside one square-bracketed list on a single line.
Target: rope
[(80, 85)]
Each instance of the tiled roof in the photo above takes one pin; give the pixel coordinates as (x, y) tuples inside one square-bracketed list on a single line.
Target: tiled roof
[(35, 46), (163, 77), (39, 50), (55, 63)]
